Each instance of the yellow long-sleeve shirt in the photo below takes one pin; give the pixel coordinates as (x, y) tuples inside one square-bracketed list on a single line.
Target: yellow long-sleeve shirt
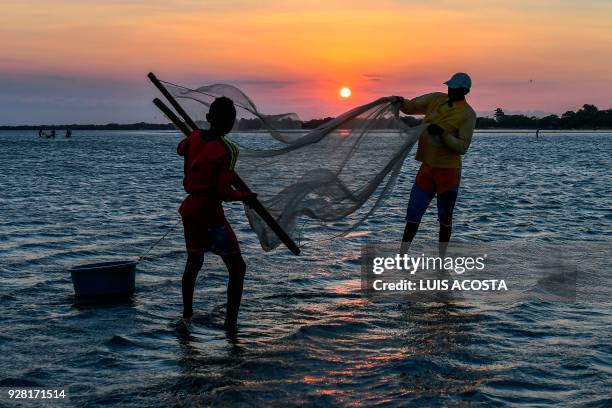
[(458, 122)]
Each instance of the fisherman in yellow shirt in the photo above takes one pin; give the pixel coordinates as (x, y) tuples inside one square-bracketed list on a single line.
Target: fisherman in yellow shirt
[(448, 136)]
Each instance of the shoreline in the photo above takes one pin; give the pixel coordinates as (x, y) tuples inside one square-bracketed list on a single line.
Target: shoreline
[(161, 127)]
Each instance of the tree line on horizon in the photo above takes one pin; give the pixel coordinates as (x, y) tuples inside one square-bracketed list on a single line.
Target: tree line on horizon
[(587, 117)]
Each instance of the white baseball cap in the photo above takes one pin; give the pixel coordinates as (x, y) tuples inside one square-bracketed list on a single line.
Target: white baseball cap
[(459, 80)]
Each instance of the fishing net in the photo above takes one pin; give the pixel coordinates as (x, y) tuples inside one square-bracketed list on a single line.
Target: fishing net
[(327, 179)]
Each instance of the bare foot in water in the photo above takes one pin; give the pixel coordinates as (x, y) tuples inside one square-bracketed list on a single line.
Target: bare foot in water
[(230, 326)]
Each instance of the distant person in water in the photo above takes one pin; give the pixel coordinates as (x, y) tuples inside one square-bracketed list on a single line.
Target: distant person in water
[(451, 126), (209, 172)]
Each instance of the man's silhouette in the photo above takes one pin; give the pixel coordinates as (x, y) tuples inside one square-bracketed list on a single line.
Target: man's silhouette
[(209, 163), (448, 136)]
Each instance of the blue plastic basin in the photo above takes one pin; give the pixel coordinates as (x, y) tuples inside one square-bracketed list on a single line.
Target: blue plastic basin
[(104, 280)]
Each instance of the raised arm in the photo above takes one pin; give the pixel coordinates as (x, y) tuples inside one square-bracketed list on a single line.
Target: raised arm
[(420, 104), (183, 145)]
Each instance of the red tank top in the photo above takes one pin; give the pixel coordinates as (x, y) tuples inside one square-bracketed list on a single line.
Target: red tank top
[(208, 167)]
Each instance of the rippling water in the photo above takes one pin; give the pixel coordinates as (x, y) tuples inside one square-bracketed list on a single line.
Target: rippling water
[(307, 336)]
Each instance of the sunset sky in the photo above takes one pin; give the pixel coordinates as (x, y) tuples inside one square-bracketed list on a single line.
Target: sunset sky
[(77, 61)]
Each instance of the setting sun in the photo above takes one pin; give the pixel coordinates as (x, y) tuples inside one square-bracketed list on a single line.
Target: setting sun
[(345, 92)]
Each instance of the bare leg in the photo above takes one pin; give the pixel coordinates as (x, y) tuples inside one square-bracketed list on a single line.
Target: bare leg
[(446, 205), (409, 232), (417, 205), (192, 268), (236, 268), (444, 239)]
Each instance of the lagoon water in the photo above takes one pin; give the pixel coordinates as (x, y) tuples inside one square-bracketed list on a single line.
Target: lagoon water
[(307, 336)]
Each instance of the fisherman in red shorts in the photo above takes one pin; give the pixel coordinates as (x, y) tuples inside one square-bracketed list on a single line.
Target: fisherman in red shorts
[(449, 134), (209, 163)]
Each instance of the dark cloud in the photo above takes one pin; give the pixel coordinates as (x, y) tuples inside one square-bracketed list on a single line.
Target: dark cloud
[(47, 98), (268, 83), (372, 77), (35, 99)]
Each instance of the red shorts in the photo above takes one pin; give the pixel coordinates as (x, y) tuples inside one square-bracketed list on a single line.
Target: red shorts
[(200, 237), (436, 180), (206, 228)]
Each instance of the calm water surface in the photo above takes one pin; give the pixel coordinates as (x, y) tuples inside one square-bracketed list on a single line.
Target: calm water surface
[(307, 336)]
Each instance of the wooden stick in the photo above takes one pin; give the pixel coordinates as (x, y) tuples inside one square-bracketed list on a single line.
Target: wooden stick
[(255, 204), (172, 116), (172, 101)]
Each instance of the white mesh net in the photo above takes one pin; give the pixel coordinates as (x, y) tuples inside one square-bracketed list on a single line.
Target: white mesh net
[(335, 175)]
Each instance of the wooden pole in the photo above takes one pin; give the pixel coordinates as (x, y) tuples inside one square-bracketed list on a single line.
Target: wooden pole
[(172, 116), (255, 204), (179, 109)]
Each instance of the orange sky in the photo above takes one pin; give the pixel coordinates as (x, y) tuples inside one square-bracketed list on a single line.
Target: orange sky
[(85, 61)]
